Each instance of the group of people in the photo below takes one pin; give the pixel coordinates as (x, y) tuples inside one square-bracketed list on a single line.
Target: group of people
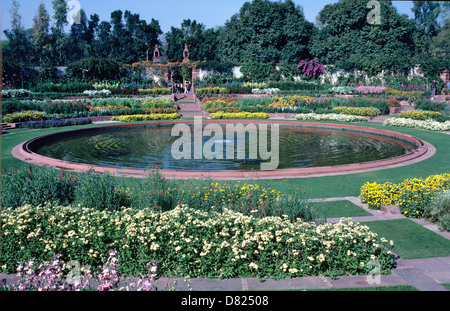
[(180, 88), (434, 87)]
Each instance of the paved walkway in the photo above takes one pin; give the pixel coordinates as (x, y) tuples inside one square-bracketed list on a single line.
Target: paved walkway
[(426, 274)]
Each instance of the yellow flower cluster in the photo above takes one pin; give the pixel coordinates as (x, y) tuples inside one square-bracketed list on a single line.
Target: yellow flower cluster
[(256, 85), (239, 115), (357, 111), (376, 195), (215, 105), (403, 93), (106, 85), (419, 115), (24, 117), (290, 101), (146, 117)]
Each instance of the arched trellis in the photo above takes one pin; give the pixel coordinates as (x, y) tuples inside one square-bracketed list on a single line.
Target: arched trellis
[(168, 69)]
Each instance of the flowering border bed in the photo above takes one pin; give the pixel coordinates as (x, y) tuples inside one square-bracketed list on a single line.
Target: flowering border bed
[(429, 124), (411, 195), (330, 117), (187, 242), (146, 117)]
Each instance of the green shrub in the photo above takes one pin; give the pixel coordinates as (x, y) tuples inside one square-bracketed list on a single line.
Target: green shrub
[(438, 210), (428, 105), (100, 191), (36, 186)]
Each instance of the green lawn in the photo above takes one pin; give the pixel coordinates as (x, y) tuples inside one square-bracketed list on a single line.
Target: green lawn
[(338, 209), (411, 240)]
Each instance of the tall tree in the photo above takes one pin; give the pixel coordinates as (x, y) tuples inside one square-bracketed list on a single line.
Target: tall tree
[(78, 38), (201, 42), (60, 40), (426, 15), (41, 38), (16, 62), (266, 31), (351, 41)]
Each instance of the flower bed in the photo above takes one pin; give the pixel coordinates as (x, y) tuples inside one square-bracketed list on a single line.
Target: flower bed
[(370, 90), (55, 123), (187, 242), (429, 124), (239, 115), (330, 117), (266, 91), (207, 91), (363, 111), (420, 115), (146, 117), (411, 195), (16, 93), (24, 117), (102, 93)]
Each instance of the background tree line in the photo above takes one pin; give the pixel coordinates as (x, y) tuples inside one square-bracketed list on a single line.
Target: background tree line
[(261, 32)]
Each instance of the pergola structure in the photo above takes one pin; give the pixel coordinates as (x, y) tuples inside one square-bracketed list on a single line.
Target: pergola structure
[(167, 69)]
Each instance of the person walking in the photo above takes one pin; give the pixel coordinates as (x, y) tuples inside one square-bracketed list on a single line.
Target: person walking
[(433, 88), (448, 85)]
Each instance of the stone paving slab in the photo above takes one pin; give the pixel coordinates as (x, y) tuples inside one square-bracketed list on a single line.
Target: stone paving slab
[(415, 277), (366, 281), (286, 284)]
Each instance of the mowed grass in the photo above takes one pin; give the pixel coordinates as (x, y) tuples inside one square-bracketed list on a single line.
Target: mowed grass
[(411, 240), (338, 209)]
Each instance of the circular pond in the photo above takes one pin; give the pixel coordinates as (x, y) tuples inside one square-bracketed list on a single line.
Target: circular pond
[(296, 147)]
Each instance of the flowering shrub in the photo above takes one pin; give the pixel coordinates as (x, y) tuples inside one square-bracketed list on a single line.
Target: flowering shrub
[(393, 102), (411, 195), (106, 85), (370, 89), (24, 117), (363, 111), (146, 117), (13, 93), (48, 276), (221, 104), (266, 91), (311, 68), (239, 115), (330, 117), (102, 93), (420, 115), (255, 85), (343, 90), (429, 124), (401, 93), (188, 242)]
